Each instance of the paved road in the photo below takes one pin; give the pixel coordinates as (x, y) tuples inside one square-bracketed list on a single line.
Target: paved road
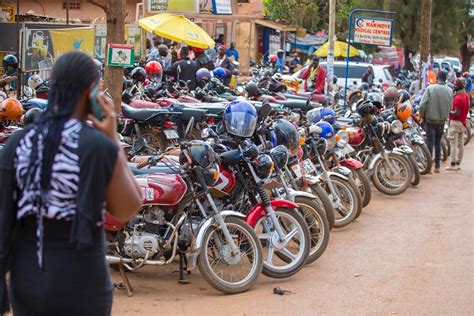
[(411, 254)]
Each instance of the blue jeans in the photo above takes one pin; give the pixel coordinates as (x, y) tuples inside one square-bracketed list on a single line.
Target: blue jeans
[(434, 133)]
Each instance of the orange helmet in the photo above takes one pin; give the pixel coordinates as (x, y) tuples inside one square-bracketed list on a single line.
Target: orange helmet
[(11, 109), (404, 111)]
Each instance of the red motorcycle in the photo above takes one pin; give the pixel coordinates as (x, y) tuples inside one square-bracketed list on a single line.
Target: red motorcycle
[(180, 217)]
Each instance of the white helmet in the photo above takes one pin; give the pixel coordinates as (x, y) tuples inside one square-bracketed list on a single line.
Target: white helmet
[(34, 81)]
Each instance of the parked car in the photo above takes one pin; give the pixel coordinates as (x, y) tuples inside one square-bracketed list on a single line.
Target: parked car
[(454, 62), (356, 71)]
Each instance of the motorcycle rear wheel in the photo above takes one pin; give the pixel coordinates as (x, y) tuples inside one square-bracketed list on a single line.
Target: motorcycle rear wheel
[(250, 251), (318, 226), (423, 158), (382, 184), (289, 264)]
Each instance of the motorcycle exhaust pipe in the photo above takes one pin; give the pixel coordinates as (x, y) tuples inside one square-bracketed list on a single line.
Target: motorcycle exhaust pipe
[(119, 260)]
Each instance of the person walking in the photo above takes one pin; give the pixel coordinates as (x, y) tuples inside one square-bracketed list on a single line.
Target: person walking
[(232, 52), (368, 76), (315, 76), (184, 69), (457, 123), (434, 110), (58, 175)]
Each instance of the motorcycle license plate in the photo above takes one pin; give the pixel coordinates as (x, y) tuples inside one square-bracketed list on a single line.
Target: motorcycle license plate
[(308, 166), (171, 134), (347, 150), (297, 170)]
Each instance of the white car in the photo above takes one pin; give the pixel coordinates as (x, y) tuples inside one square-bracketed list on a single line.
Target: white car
[(356, 71), (454, 62)]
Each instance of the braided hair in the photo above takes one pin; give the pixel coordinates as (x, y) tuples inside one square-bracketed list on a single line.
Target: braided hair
[(73, 73)]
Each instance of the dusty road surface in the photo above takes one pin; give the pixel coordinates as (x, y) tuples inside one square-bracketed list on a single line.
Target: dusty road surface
[(411, 254)]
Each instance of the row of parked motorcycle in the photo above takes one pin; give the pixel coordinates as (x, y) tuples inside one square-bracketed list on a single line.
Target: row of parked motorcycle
[(250, 185)]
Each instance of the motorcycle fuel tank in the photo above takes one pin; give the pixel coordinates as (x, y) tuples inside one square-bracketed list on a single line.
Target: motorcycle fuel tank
[(161, 189)]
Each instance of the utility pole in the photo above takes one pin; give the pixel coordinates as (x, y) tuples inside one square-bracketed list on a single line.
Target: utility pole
[(425, 26), (116, 11), (67, 12), (332, 31)]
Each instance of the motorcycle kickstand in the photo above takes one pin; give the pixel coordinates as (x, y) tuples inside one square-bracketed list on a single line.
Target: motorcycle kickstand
[(182, 266), (126, 281)]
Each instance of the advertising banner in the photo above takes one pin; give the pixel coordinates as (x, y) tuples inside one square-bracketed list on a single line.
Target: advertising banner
[(373, 31), (120, 55), (156, 6), (42, 47), (7, 13), (133, 36)]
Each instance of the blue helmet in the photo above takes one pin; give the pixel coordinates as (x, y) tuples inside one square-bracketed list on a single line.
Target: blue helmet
[(240, 118), (219, 73), (327, 130), (314, 115), (328, 115)]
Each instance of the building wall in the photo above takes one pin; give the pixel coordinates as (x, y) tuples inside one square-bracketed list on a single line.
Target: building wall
[(54, 8)]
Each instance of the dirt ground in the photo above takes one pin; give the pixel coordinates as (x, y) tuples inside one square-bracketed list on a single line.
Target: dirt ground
[(411, 254)]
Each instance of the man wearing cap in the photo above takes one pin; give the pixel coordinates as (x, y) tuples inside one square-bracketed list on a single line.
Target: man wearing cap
[(315, 76)]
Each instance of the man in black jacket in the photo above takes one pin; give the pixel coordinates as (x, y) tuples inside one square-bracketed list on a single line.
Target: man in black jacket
[(184, 69)]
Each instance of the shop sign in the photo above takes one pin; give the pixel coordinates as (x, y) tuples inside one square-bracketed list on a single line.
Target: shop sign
[(373, 31)]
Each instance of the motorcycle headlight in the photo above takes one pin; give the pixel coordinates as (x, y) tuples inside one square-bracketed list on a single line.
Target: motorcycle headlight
[(211, 175), (263, 165), (331, 142), (396, 127), (342, 138)]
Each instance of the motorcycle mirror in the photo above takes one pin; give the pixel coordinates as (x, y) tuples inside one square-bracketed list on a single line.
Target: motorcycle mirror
[(138, 145), (266, 109), (189, 127)]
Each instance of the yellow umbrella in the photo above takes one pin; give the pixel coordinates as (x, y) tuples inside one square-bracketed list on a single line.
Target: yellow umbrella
[(177, 28), (340, 50)]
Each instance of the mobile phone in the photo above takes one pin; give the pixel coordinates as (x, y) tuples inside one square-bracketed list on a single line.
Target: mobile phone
[(96, 108)]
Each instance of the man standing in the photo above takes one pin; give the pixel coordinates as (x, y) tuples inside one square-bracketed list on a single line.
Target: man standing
[(233, 52), (434, 110), (368, 76), (224, 62), (184, 69), (457, 123), (315, 76)]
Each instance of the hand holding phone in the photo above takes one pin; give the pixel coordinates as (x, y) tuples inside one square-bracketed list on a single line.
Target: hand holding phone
[(96, 107)]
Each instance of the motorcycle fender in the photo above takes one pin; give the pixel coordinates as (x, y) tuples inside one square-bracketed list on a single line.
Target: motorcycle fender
[(402, 150), (259, 210), (312, 179), (341, 170), (338, 175), (351, 163), (302, 194), (417, 139), (193, 255), (376, 158)]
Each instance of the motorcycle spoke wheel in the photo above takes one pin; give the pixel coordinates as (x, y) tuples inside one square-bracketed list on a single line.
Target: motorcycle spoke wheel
[(226, 271)]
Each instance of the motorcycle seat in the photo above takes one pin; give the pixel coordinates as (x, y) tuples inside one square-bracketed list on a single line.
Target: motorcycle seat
[(198, 114), (144, 115), (159, 168)]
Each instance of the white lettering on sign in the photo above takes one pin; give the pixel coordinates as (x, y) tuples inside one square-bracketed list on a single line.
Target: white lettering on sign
[(373, 31)]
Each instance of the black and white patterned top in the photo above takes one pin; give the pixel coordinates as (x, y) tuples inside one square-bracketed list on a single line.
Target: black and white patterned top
[(61, 198)]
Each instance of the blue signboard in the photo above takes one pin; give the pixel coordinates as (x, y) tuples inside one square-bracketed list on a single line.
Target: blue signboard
[(222, 7)]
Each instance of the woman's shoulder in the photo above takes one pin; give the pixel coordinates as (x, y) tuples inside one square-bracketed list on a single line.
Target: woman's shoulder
[(94, 141)]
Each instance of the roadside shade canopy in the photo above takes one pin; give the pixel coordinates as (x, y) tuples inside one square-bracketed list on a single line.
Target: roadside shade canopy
[(177, 28), (340, 50)]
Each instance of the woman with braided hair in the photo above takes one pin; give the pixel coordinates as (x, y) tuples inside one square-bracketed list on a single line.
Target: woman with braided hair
[(57, 177)]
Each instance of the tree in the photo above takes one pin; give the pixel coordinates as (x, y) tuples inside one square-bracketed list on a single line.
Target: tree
[(115, 11), (425, 38), (466, 31), (303, 13)]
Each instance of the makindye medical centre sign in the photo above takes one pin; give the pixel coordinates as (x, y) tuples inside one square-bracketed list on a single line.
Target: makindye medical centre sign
[(373, 31)]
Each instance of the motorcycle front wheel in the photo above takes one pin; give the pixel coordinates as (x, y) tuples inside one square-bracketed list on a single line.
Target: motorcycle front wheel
[(347, 202), (227, 272), (392, 182), (363, 183), (282, 259), (423, 158), (414, 168), (318, 226), (323, 201)]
